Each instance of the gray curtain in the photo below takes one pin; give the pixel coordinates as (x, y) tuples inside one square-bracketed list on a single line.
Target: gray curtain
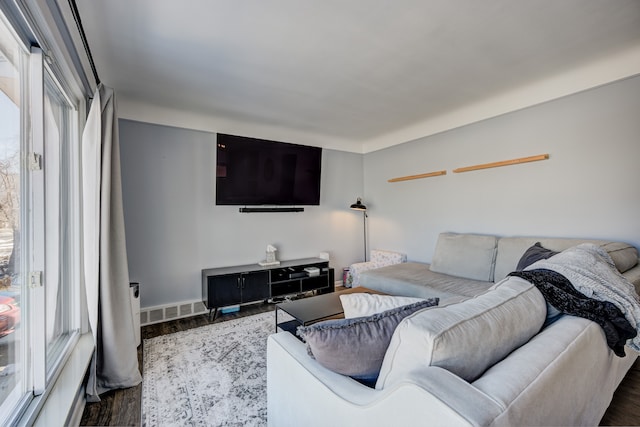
[(106, 272)]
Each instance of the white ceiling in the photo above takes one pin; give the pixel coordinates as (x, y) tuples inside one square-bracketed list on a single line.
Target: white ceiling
[(357, 74)]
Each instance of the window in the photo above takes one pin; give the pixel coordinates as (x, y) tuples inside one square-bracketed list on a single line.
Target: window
[(39, 238), (13, 373)]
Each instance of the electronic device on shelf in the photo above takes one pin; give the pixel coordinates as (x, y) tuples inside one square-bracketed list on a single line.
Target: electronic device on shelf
[(312, 271)]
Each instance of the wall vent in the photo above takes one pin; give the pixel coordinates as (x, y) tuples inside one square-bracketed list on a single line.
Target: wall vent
[(156, 315), (186, 309), (164, 313), (171, 312)]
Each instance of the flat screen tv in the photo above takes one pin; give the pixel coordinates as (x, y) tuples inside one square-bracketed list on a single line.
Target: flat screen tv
[(252, 171)]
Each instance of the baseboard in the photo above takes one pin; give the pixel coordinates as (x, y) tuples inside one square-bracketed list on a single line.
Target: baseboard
[(167, 312)]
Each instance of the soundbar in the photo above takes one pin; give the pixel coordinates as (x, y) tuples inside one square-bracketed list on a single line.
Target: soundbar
[(255, 210)]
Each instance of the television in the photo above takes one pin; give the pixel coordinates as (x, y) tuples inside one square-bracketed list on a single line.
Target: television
[(251, 171)]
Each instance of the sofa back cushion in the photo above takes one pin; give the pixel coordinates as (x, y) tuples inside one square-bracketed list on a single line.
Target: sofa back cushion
[(511, 249), (467, 337), (471, 256), (533, 254), (362, 304), (624, 256)]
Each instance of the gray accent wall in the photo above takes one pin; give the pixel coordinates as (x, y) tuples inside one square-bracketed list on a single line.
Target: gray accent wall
[(174, 229), (589, 187)]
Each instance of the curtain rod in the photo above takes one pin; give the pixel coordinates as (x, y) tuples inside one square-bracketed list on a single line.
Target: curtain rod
[(83, 36)]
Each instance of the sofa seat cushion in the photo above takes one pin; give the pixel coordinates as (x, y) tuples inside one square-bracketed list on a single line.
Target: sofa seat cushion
[(414, 279), (471, 256), (356, 347), (467, 337)]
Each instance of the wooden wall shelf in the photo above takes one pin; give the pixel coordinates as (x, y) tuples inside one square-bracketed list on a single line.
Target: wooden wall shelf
[(422, 175), (503, 163), (474, 167)]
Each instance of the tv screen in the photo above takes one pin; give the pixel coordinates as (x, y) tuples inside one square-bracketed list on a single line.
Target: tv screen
[(252, 171)]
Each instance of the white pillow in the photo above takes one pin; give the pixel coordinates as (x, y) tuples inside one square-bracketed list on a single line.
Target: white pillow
[(468, 337), (362, 304)]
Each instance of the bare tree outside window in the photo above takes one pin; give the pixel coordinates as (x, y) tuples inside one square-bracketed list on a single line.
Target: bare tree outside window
[(11, 360), (9, 217)]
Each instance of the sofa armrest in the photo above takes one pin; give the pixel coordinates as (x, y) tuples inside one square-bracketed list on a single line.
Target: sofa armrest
[(548, 374), (633, 275), (355, 270), (379, 258), (302, 392), (384, 258)]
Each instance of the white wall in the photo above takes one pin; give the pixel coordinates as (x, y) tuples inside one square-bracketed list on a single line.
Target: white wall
[(588, 188), (174, 229)]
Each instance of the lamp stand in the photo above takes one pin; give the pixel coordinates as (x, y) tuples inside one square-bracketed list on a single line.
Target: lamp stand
[(364, 233)]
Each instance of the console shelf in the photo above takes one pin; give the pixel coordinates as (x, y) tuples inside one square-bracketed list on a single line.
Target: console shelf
[(241, 284)]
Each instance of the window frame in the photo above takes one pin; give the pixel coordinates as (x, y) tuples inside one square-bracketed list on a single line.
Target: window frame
[(24, 404), (71, 224)]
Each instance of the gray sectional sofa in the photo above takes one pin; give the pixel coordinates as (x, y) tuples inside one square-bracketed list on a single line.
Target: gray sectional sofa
[(464, 265), (484, 356)]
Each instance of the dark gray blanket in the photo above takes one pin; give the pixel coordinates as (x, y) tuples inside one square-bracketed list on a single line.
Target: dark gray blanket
[(561, 294)]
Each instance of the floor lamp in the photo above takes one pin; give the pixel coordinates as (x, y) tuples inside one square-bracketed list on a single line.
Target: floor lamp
[(358, 206)]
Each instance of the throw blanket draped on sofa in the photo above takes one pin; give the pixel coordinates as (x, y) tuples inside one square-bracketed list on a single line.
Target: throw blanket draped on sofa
[(592, 272), (560, 293)]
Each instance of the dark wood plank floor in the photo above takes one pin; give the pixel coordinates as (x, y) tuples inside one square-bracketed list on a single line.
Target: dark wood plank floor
[(123, 407)]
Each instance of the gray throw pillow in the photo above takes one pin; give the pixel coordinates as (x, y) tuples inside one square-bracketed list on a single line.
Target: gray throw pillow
[(356, 346), (533, 254)]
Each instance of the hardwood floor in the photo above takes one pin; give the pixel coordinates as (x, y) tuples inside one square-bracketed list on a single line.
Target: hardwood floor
[(123, 407), (625, 406)]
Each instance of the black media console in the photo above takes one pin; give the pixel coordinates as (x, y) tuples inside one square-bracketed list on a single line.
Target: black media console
[(241, 284)]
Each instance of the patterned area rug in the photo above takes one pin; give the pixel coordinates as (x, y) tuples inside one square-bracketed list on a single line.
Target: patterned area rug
[(215, 375)]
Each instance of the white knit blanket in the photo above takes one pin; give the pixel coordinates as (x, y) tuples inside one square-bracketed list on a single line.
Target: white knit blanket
[(591, 271)]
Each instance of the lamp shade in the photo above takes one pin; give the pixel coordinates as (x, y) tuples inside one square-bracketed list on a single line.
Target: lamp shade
[(358, 206)]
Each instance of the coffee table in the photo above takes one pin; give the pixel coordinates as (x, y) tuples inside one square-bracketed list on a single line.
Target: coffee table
[(315, 309)]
